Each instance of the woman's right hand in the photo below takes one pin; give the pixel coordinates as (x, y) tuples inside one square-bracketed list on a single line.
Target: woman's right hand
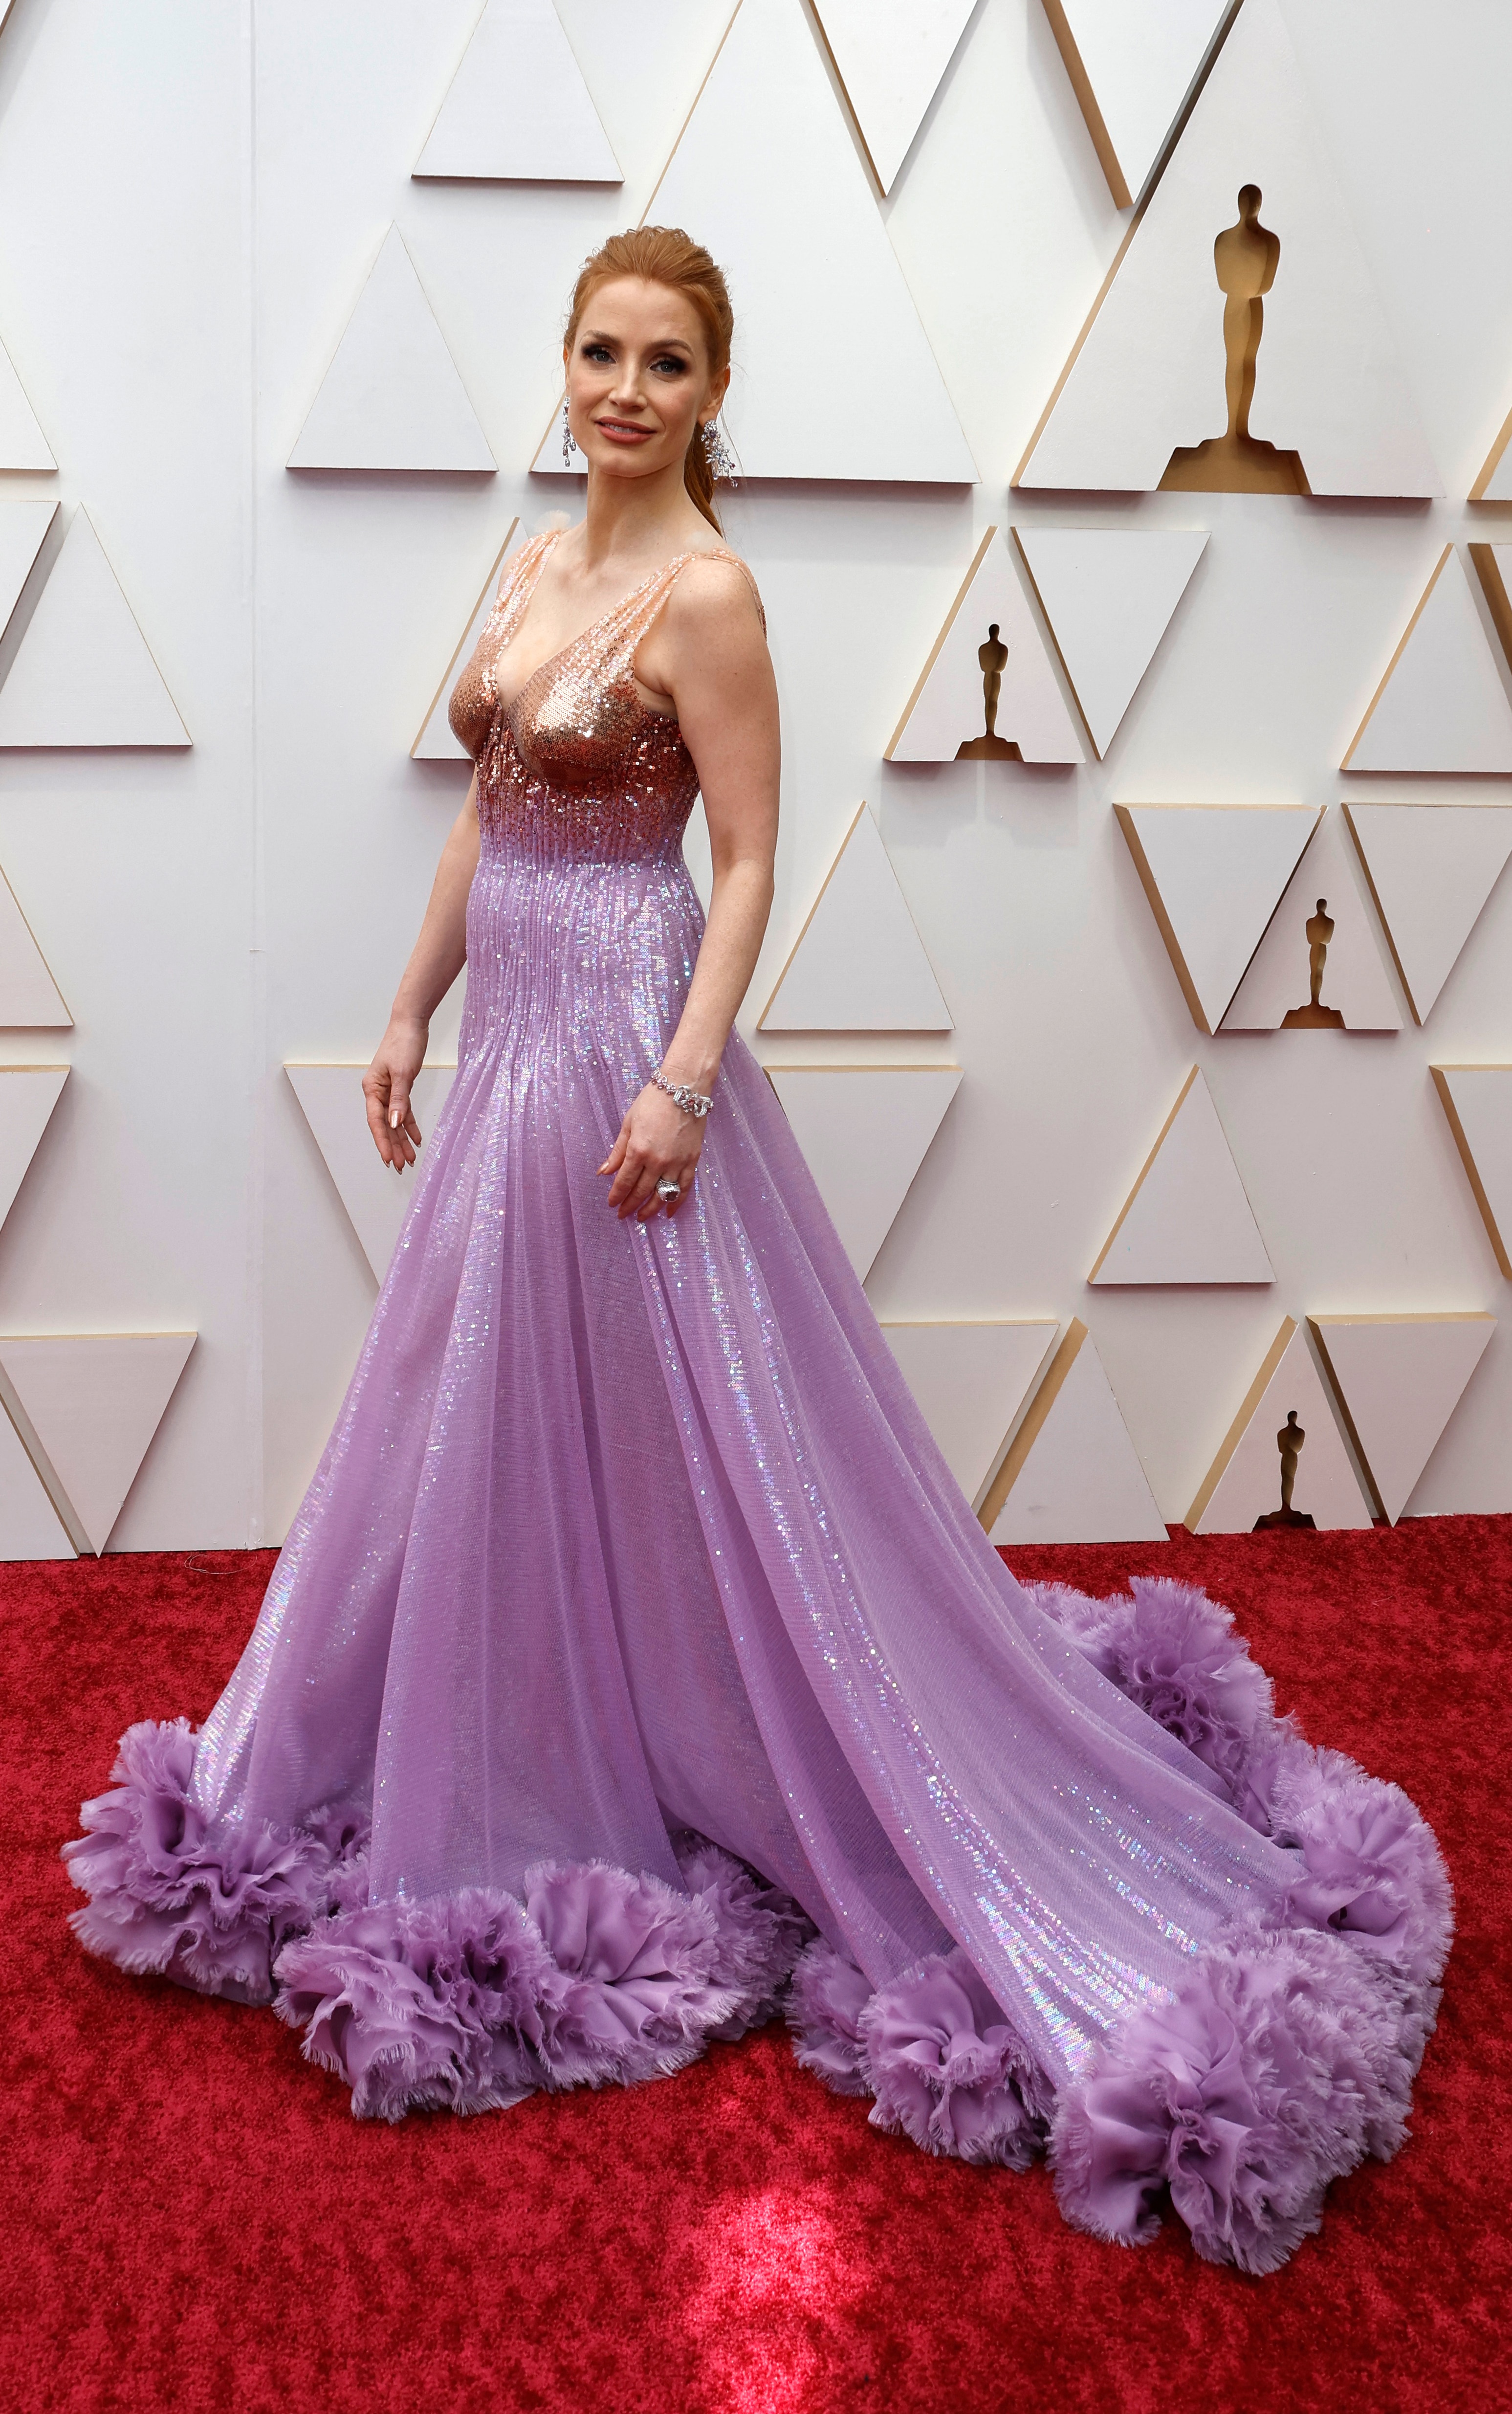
[(386, 1086)]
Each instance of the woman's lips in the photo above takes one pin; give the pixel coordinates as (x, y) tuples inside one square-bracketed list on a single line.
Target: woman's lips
[(621, 431)]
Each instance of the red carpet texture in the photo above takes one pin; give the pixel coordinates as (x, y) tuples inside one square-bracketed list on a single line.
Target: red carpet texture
[(195, 2221)]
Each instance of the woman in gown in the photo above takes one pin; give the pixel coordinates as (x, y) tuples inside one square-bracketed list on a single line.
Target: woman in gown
[(634, 1669)]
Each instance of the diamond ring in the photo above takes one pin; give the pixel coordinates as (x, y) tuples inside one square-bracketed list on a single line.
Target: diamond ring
[(668, 1189)]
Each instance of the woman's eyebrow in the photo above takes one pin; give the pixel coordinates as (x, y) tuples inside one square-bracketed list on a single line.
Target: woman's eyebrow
[(663, 344)]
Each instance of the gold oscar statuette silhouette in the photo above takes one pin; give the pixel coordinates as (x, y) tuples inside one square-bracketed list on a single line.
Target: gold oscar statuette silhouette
[(1246, 257), (1315, 1016), (989, 747), (1289, 1442)]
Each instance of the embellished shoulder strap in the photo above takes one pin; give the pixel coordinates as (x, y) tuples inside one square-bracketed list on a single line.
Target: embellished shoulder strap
[(515, 587), (618, 635)]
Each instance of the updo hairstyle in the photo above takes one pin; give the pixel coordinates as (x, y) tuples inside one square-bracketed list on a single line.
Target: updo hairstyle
[(667, 256)]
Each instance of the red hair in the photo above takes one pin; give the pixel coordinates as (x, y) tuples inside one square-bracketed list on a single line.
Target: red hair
[(666, 255)]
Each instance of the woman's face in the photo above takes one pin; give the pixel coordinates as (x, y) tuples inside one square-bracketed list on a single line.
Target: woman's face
[(638, 377)]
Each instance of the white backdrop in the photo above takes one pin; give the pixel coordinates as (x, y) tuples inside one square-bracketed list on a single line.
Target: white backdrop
[(191, 198)]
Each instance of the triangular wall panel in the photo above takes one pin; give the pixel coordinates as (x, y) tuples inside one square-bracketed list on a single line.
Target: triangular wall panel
[(945, 719), (436, 742), (1132, 70), (767, 171), (1356, 992), (1108, 595), (1245, 1480), (1142, 399), (858, 963), (1431, 869), (29, 996), (1478, 1100), (30, 1527), (1442, 703), (1214, 875), (864, 1130), (971, 1381), (1493, 563), (1187, 1219), (890, 56), (87, 1406), (22, 527), (81, 616), (1398, 1380), (375, 1195), (1495, 483), (393, 397), (517, 107), (1072, 1473), (28, 1093), (22, 444)]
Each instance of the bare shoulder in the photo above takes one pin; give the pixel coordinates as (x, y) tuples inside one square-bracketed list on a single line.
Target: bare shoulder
[(716, 600)]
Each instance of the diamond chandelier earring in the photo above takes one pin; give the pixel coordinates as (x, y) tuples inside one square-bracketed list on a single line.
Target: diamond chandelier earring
[(568, 439), (716, 453)]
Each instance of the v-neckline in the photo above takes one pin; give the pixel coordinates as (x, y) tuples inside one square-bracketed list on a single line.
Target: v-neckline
[(528, 597)]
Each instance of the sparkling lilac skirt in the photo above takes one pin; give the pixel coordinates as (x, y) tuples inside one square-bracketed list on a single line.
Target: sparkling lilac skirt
[(635, 1670)]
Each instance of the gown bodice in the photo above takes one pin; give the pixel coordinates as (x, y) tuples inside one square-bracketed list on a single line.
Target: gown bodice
[(576, 763)]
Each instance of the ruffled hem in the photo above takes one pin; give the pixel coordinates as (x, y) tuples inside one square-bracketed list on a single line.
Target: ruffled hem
[(1286, 2059), (464, 2003)]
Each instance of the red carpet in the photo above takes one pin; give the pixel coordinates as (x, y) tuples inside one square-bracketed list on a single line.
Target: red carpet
[(195, 2221)]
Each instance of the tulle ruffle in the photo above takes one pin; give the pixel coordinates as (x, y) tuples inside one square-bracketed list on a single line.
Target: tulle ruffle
[(464, 2001), (1286, 2059)]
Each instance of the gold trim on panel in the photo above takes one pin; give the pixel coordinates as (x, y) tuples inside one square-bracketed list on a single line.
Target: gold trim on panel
[(452, 671), (1452, 1316), (1492, 462), (1380, 912), (1493, 586), (1033, 1426), (1235, 1433), (947, 624), (1385, 681), (1499, 1245), (1186, 1088), (849, 833)]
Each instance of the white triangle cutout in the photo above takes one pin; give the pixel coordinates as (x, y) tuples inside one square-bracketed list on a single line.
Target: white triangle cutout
[(1431, 869), (1108, 595), (437, 741), (29, 996), (1355, 984), (375, 1195), (22, 527), (82, 617), (393, 397), (517, 109), (1214, 875), (1478, 1100), (29, 1092), (87, 1406), (1187, 1219), (864, 1130), (1244, 1482), (945, 717), (1132, 71), (22, 444), (971, 1381), (30, 1527), (774, 189), (1145, 379), (1072, 1473), (1399, 1380), (858, 963), (890, 55), (1441, 704)]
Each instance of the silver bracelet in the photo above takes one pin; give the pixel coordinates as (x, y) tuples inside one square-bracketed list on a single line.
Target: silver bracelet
[(692, 1102)]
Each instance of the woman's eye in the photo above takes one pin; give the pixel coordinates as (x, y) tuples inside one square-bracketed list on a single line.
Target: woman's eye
[(670, 361), (595, 353)]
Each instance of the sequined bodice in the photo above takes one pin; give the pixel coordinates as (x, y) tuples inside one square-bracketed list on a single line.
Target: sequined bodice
[(576, 763)]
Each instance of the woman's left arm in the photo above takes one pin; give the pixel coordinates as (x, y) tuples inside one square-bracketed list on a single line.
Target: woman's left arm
[(709, 651)]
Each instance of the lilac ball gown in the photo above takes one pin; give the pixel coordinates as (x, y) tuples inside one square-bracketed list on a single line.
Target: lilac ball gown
[(635, 1670)]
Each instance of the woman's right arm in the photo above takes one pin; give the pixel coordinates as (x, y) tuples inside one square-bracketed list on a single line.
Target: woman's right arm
[(440, 953)]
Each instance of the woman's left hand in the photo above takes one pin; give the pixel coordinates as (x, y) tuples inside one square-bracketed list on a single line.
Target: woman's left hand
[(656, 1140)]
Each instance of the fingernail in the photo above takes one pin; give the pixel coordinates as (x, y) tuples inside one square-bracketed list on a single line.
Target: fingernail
[(394, 1119)]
